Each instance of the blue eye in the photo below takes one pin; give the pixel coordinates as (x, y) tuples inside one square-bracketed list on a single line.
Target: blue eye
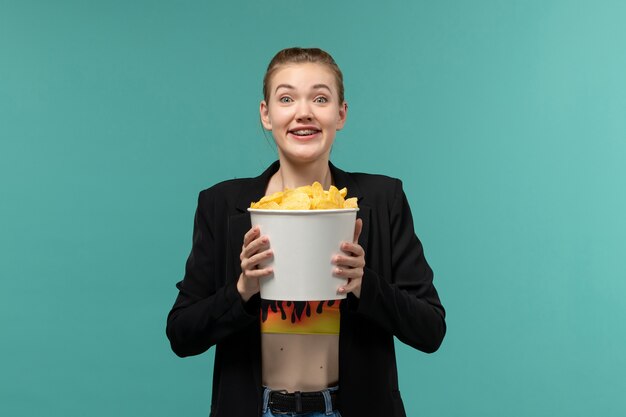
[(321, 99), (285, 99)]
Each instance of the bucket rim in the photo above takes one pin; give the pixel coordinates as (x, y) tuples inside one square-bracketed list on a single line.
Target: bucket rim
[(302, 212)]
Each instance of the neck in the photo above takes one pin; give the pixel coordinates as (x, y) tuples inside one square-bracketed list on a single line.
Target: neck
[(291, 175)]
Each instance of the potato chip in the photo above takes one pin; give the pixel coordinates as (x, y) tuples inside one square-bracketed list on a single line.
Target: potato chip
[(276, 197), (295, 200), (335, 197), (306, 189), (350, 203), (270, 205), (308, 197), (317, 190)]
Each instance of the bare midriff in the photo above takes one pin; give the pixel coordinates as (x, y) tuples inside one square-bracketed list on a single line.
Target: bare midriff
[(300, 362)]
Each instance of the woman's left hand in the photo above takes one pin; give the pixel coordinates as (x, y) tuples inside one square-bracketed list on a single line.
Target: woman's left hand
[(350, 263)]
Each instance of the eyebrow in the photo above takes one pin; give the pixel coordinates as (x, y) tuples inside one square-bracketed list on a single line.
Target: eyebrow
[(318, 86), (291, 87)]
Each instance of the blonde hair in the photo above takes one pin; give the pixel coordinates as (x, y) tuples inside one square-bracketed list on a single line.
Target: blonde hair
[(298, 56)]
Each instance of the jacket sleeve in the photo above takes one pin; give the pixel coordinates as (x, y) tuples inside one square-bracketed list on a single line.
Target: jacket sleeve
[(406, 304), (208, 308)]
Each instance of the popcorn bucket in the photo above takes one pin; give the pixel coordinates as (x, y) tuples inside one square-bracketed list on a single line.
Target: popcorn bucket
[(304, 242)]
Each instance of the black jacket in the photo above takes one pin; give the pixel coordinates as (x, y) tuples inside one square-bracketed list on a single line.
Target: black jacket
[(397, 299)]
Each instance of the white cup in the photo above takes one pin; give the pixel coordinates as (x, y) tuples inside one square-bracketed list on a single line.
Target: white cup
[(304, 242)]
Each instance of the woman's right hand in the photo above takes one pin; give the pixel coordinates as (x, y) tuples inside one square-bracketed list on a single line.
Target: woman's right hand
[(255, 250)]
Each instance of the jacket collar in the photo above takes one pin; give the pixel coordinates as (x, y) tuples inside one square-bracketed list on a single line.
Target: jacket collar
[(254, 189)]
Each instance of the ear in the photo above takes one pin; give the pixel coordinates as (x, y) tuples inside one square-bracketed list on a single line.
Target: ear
[(343, 113), (265, 115)]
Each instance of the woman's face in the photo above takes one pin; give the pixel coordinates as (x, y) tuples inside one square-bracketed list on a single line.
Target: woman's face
[(303, 111)]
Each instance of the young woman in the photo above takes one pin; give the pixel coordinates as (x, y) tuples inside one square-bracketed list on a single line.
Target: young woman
[(272, 356)]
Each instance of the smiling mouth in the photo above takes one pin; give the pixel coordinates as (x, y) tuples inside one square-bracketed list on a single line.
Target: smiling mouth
[(304, 132)]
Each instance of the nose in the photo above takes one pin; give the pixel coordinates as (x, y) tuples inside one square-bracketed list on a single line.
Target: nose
[(304, 112)]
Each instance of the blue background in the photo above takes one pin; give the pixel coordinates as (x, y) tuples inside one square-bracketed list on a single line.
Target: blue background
[(505, 120)]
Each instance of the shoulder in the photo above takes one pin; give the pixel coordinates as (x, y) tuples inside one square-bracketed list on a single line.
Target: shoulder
[(376, 187), (227, 187), (241, 188), (225, 193), (374, 180)]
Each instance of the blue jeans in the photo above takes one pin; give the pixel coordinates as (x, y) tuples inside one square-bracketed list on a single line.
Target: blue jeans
[(329, 408)]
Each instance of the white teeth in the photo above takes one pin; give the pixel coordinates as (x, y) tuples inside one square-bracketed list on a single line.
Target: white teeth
[(304, 132)]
